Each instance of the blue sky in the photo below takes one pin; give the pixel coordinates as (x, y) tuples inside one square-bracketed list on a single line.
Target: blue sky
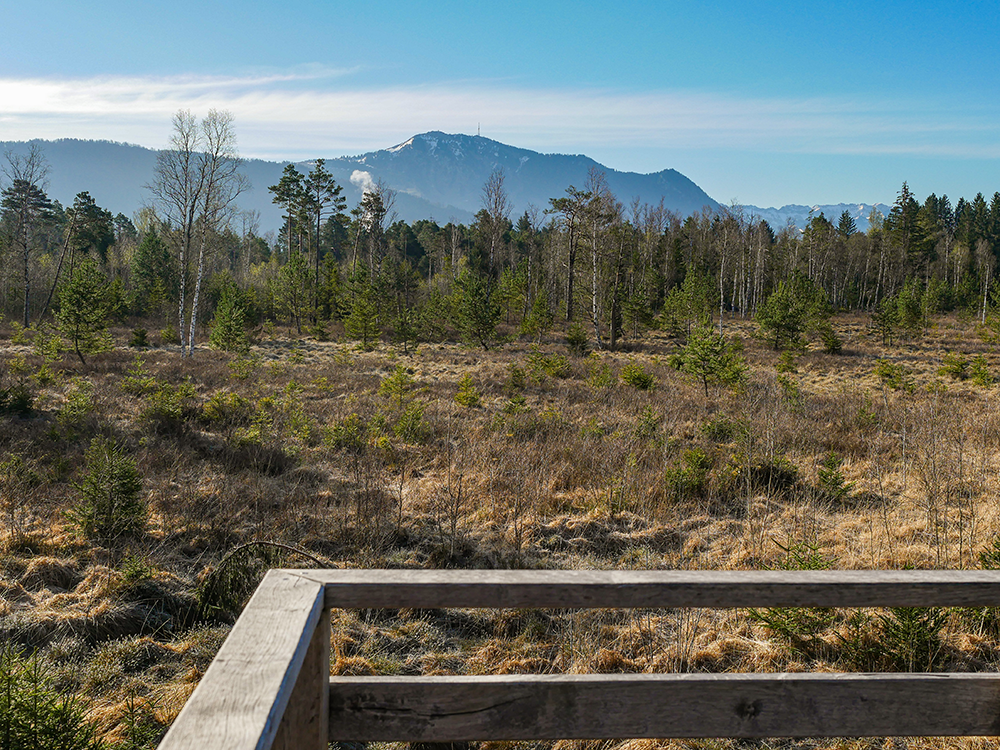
[(761, 103)]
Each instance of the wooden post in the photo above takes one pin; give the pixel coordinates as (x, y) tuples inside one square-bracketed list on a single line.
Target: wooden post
[(239, 703), (305, 723)]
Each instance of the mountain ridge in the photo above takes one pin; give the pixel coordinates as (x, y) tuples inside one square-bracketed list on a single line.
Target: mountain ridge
[(435, 175)]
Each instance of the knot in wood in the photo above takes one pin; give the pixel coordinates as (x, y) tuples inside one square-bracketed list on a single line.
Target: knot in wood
[(747, 711)]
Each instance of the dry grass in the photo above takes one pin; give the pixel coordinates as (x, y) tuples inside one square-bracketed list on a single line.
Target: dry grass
[(571, 469)]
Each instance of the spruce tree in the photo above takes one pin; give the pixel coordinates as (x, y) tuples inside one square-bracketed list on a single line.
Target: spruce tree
[(86, 302), (229, 331)]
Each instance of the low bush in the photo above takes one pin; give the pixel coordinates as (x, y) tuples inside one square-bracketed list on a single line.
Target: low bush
[(577, 340), (111, 494), (33, 715), (468, 395), (638, 377)]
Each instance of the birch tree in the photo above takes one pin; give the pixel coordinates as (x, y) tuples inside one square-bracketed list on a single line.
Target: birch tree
[(223, 184), (195, 184)]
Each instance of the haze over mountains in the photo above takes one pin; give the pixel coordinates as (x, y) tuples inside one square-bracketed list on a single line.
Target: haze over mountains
[(436, 175)]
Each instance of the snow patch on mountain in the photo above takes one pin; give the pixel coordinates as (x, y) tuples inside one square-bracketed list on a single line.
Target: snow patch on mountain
[(400, 147)]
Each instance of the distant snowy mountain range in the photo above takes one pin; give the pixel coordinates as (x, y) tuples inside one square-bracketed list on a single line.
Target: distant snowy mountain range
[(799, 216), (435, 175)]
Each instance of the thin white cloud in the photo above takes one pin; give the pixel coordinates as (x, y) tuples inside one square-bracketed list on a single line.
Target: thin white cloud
[(299, 114)]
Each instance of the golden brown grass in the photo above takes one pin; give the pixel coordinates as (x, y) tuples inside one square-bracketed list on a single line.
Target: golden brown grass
[(297, 444)]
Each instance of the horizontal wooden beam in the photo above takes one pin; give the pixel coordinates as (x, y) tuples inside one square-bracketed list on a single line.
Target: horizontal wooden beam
[(242, 697), (546, 707), (668, 588)]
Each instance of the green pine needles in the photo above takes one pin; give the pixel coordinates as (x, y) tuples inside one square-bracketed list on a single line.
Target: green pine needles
[(710, 358), (229, 332), (111, 494), (86, 302), (33, 715)]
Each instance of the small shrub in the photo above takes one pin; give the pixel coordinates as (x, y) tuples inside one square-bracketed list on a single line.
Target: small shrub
[(169, 335), (348, 434), (19, 334), (720, 429), (516, 379), (79, 404), (637, 376), (648, 424), (956, 366), (169, 406), (243, 368), (516, 404), (894, 376), (791, 392), (799, 626), (47, 344), (111, 493), (17, 399), (832, 343), (601, 375), (831, 478), (690, 476), (137, 381), (541, 365), (411, 427), (33, 715), (911, 638), (228, 409), (711, 358), (139, 338), (577, 340), (468, 395), (989, 558), (786, 362), (397, 387), (979, 372)]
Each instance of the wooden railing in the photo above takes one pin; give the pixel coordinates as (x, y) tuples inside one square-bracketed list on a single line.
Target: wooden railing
[(270, 687)]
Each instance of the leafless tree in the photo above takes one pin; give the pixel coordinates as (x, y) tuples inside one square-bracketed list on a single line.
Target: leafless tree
[(223, 184), (196, 184), (497, 205), (24, 200)]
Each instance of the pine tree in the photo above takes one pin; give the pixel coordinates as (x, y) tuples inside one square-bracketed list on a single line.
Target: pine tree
[(86, 302), (710, 358), (363, 322)]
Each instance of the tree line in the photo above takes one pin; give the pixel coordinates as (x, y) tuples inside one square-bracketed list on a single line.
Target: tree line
[(608, 269)]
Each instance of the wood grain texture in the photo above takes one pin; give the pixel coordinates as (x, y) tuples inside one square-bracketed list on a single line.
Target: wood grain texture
[(243, 694), (581, 589), (450, 709), (305, 722)]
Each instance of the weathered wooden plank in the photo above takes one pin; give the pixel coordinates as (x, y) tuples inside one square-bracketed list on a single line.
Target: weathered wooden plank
[(581, 589), (449, 709), (305, 722), (243, 694)]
